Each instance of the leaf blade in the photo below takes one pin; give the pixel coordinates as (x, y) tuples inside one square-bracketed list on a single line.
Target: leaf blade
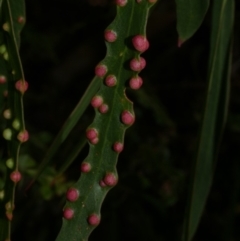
[(214, 116), (67, 128), (190, 15), (102, 158), (11, 68)]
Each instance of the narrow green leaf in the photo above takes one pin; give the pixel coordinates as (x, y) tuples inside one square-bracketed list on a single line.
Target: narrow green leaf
[(108, 126), (190, 14), (214, 116), (71, 156), (12, 21), (68, 126)]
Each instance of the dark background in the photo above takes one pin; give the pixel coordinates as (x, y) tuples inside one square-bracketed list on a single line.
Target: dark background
[(61, 44)]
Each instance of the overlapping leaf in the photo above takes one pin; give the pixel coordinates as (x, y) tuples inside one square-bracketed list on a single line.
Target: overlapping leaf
[(214, 115), (190, 15), (12, 20)]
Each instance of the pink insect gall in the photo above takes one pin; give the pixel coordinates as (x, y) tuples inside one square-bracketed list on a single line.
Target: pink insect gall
[(72, 194), (110, 36), (110, 179), (23, 136), (85, 167), (118, 147), (110, 80), (103, 108), (93, 219), (68, 213), (140, 43), (137, 64), (21, 19), (15, 176), (96, 101), (135, 82), (121, 3), (91, 133), (21, 85), (100, 70), (127, 117), (3, 79)]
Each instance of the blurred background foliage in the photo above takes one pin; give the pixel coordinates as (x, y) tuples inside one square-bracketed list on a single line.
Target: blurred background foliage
[(61, 44)]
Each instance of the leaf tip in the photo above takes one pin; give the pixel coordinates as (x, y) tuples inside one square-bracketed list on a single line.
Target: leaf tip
[(180, 42)]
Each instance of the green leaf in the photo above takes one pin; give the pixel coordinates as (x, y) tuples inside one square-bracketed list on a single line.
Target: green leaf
[(131, 20), (214, 116), (71, 156), (67, 128), (190, 14), (12, 20)]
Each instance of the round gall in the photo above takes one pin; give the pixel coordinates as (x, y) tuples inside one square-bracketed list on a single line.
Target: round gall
[(21, 85), (3, 79), (121, 3), (135, 83), (96, 101), (93, 219), (85, 167), (127, 118), (111, 81), (110, 179), (15, 176), (118, 147), (140, 43), (68, 213), (72, 194), (91, 134), (101, 70), (110, 36), (103, 108), (23, 136), (137, 64)]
